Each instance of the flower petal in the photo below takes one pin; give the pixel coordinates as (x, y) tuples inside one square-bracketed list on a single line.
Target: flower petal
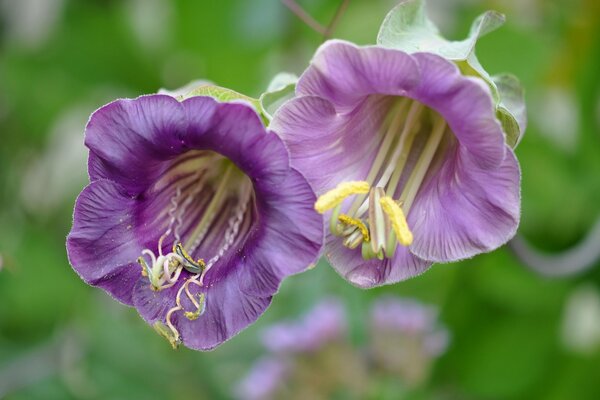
[(102, 245), (466, 104), (236, 131), (328, 147), (225, 315), (131, 137), (345, 73), (367, 274), (289, 238), (463, 210)]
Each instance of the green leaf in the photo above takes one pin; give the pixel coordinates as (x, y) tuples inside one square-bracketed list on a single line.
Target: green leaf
[(281, 89), (408, 28)]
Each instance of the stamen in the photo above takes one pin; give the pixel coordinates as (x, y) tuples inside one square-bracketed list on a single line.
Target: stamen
[(170, 334), (233, 228), (210, 209), (188, 262), (336, 196), (396, 216), (347, 220), (418, 173), (145, 267), (406, 135), (397, 112), (401, 151), (200, 307)]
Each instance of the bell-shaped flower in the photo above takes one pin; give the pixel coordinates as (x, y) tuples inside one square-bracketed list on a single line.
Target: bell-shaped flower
[(193, 215), (408, 157)]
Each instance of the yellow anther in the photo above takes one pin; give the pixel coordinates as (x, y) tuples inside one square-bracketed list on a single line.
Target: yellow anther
[(348, 220), (142, 262), (336, 196), (188, 262), (396, 216)]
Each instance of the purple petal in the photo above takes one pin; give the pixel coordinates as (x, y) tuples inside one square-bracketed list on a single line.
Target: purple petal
[(227, 310), (290, 238), (367, 274), (131, 138), (344, 73), (323, 144), (463, 210), (240, 286), (236, 131), (466, 104), (102, 243)]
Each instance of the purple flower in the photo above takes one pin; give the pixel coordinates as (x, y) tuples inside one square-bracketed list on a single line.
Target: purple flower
[(325, 323), (264, 379), (410, 318), (193, 215), (408, 158), (406, 337)]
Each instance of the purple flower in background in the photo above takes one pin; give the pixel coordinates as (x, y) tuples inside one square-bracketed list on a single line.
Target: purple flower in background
[(410, 317), (408, 158), (193, 215), (325, 323), (406, 336), (264, 379)]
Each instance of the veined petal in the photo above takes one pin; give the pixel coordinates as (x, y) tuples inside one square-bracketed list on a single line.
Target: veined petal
[(344, 73), (330, 147), (226, 313), (367, 274), (290, 240), (464, 210), (236, 132), (466, 104), (133, 137), (102, 242)]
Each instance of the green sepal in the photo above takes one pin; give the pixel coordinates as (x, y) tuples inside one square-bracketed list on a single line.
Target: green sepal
[(225, 95), (281, 89), (407, 27), (222, 94), (511, 108)]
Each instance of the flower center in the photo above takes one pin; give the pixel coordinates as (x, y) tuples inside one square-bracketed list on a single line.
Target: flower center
[(376, 218), (207, 206)]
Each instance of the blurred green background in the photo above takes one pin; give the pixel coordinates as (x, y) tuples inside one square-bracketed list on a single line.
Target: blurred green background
[(515, 333)]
